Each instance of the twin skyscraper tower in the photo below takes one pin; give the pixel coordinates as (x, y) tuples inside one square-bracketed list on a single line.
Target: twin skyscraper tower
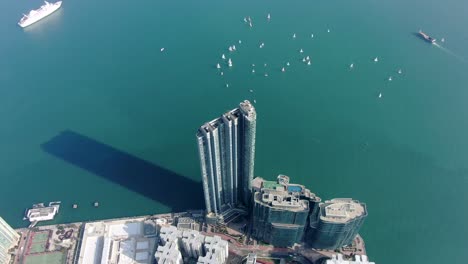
[(227, 155)]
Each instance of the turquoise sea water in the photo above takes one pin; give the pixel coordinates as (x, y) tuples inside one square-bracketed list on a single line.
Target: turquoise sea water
[(91, 110)]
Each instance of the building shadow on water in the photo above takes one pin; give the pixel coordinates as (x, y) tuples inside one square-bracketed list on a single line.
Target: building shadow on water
[(159, 184)]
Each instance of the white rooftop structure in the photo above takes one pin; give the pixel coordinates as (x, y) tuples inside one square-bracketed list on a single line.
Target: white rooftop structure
[(117, 242), (358, 259), (192, 244), (342, 210)]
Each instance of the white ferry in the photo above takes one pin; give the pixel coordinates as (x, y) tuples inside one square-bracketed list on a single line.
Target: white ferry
[(38, 14)]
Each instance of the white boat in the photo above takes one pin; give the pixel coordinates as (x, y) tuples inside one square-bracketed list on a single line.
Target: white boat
[(308, 63), (230, 48), (255, 101), (223, 57), (390, 78), (230, 62), (294, 35), (312, 35), (245, 19), (233, 47), (266, 74), (301, 51), (240, 42), (399, 71), (442, 39), (268, 17), (253, 70), (253, 65), (218, 66), (376, 59), (303, 60), (352, 65), (35, 15), (380, 95), (222, 73), (227, 85), (328, 30), (307, 58), (287, 63), (283, 70), (162, 49)]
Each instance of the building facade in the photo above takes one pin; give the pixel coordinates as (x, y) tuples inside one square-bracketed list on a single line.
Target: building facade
[(9, 239), (280, 211), (226, 147), (338, 222), (190, 246)]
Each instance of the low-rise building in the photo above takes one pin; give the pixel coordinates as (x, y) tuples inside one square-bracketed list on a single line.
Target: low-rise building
[(358, 259), (121, 241)]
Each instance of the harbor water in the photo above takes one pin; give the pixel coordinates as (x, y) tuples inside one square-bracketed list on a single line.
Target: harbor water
[(100, 102)]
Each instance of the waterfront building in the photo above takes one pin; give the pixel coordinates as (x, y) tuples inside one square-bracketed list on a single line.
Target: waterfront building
[(227, 149), (338, 223), (188, 223), (358, 259), (190, 245), (9, 239), (280, 211), (120, 241)]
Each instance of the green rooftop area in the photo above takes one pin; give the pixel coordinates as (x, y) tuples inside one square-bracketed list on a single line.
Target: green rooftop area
[(271, 185), (56, 257)]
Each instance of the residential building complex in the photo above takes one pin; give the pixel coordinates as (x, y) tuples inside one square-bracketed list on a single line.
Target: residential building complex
[(280, 211), (227, 150), (9, 239), (179, 245), (338, 223)]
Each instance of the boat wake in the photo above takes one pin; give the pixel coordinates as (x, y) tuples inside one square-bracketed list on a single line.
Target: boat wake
[(444, 49)]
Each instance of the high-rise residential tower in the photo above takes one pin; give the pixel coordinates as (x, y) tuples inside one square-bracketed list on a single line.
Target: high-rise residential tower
[(8, 239), (227, 150), (338, 223), (281, 210)]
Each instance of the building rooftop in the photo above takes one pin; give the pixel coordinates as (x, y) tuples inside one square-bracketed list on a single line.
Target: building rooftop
[(120, 242), (283, 195), (358, 259), (342, 210), (194, 245), (248, 109)]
